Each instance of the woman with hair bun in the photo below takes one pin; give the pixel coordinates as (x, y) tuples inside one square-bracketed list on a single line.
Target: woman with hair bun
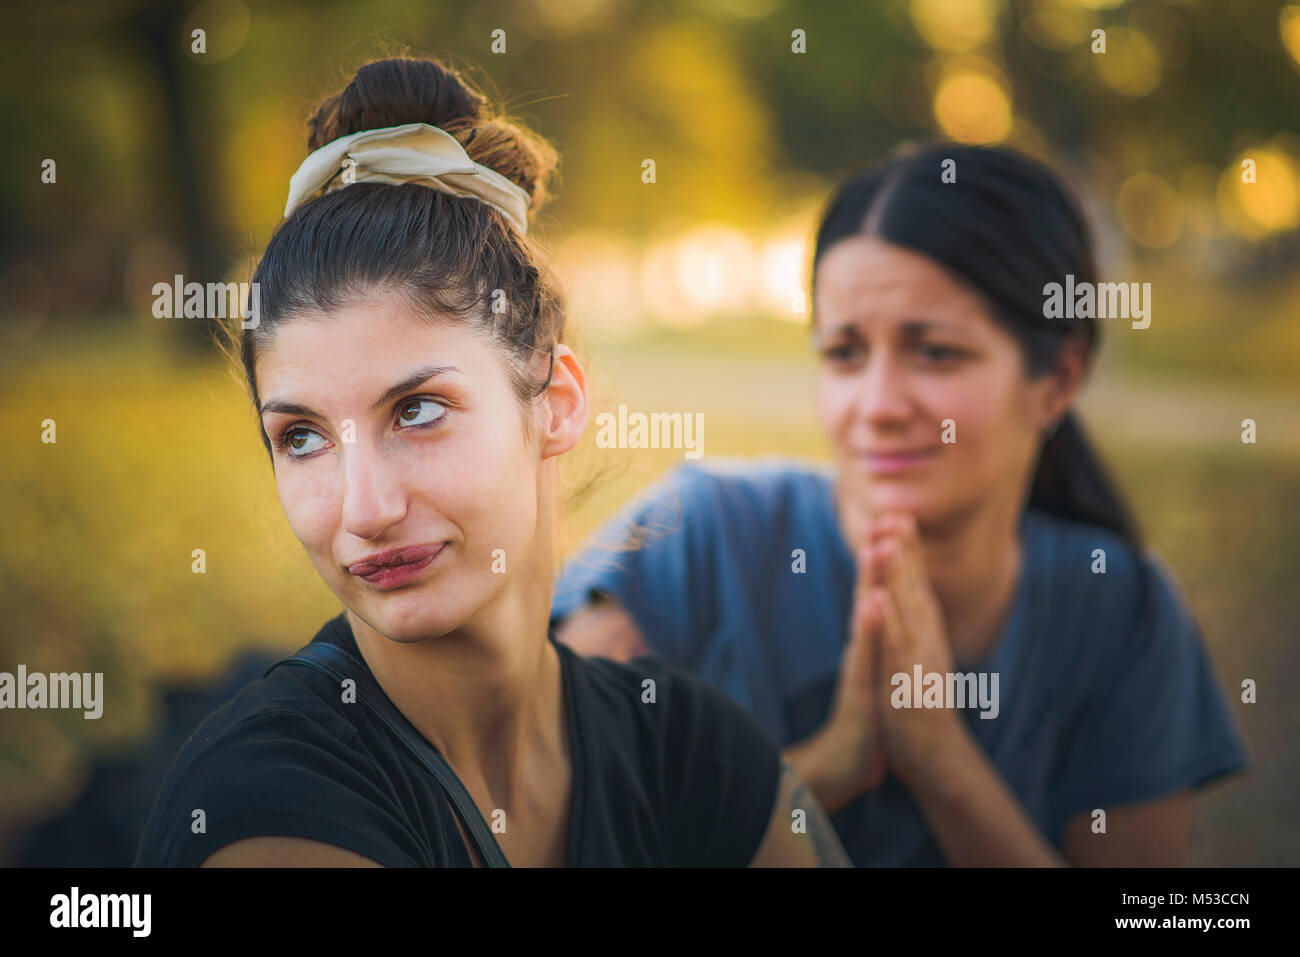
[(954, 632), (414, 397)]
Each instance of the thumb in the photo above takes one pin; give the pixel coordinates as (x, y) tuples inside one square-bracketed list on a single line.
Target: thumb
[(893, 641), (859, 661)]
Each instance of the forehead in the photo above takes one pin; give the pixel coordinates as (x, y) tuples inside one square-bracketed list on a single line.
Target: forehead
[(865, 280), (360, 348), (364, 329)]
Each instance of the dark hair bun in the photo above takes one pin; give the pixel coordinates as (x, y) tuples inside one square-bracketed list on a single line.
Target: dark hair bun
[(398, 91)]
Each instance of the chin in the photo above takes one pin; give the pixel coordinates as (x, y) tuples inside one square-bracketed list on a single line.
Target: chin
[(932, 511), (913, 498), (919, 505), (413, 614)]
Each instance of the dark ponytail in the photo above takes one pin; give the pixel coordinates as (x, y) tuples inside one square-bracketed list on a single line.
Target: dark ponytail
[(1008, 226), (1071, 482)]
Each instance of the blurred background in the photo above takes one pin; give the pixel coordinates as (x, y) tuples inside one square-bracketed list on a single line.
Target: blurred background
[(688, 294)]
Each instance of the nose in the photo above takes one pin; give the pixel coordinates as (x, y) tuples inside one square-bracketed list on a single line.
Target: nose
[(374, 497), (882, 396)]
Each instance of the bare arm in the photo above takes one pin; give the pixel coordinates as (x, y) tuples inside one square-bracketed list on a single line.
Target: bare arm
[(603, 630), (978, 822), (277, 851), (1154, 834), (974, 816), (826, 769), (799, 833)]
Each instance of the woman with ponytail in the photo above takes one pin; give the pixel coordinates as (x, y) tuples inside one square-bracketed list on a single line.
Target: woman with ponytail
[(955, 632)]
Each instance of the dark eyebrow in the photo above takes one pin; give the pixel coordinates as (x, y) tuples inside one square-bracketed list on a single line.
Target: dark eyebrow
[(907, 327), (416, 378), (845, 329), (911, 326)]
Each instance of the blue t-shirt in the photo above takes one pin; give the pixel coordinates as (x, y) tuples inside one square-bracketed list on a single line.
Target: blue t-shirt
[(737, 571)]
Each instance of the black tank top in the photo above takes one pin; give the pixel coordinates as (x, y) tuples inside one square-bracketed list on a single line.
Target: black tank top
[(686, 780)]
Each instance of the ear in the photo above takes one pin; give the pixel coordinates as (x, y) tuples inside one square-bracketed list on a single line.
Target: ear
[(566, 397), (1064, 380)]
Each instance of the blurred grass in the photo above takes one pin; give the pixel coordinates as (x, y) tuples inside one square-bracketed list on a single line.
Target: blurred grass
[(1229, 331), (157, 456)]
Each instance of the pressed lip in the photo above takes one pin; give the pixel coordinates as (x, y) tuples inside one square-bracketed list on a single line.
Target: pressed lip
[(406, 555), (892, 463), (893, 453), (389, 577)]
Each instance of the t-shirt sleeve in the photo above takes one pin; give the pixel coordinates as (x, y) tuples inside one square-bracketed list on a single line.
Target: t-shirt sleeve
[(1156, 721), (722, 774), (656, 557), (274, 773)]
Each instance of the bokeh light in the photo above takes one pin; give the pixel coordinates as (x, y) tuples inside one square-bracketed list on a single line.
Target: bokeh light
[(1131, 63), (972, 105), (1057, 27), (1269, 204), (569, 18), (601, 279), (713, 267), (957, 26), (783, 260), (1150, 210), (1288, 22), (225, 26)]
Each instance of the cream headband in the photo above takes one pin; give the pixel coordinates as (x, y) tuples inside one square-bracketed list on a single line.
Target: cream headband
[(414, 153)]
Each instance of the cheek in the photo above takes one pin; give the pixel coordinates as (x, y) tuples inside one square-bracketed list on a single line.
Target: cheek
[(486, 485), (989, 411), (311, 504), (834, 396), (978, 410)]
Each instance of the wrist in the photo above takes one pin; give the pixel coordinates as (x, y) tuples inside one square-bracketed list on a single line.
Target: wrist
[(820, 762), (944, 768)]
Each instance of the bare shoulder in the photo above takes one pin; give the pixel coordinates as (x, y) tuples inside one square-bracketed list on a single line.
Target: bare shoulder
[(799, 833), (278, 851), (603, 629)]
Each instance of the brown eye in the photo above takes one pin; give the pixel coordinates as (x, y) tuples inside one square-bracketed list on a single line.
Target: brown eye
[(410, 413), (294, 443), (938, 353), (842, 352)]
